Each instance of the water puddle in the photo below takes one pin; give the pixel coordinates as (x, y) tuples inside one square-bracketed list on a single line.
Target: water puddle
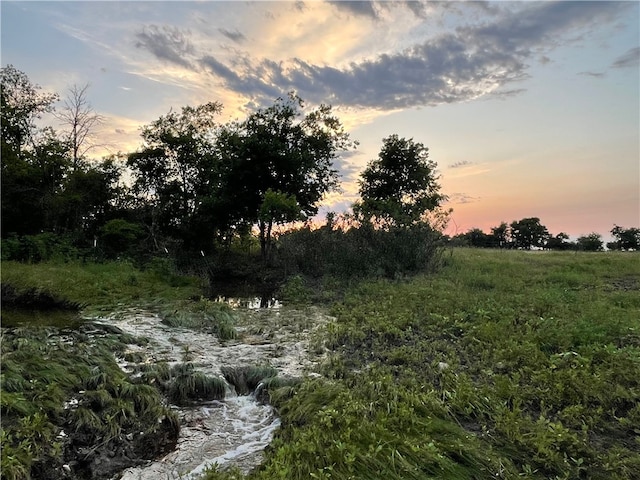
[(233, 431)]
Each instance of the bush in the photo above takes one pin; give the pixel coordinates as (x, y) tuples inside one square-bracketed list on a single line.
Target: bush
[(359, 252), (39, 248)]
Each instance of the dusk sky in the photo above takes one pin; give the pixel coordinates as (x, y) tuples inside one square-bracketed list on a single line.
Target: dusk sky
[(529, 109)]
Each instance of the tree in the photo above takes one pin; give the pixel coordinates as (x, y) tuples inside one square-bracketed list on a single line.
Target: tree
[(80, 119), (528, 233), (21, 104), (590, 243), (500, 235), (559, 242), (400, 186), (176, 169), (477, 238), (278, 150), (626, 238)]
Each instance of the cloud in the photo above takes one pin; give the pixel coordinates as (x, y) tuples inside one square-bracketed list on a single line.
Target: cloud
[(364, 8), (235, 36), (462, 163), (593, 74), (120, 131), (166, 43), (454, 67), (629, 59), (459, 198)]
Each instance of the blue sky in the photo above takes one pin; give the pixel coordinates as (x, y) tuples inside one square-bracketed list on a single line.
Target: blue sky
[(528, 108)]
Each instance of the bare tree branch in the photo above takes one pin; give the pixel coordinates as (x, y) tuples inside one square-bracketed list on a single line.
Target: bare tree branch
[(81, 119)]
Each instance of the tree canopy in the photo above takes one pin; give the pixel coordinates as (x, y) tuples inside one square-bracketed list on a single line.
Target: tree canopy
[(400, 186), (280, 150)]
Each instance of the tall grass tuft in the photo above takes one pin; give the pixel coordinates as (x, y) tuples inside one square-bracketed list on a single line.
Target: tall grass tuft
[(203, 314), (246, 379), (187, 385)]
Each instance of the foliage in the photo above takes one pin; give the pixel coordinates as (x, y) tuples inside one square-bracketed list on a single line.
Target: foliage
[(22, 104), (119, 236), (245, 379), (202, 314), (186, 385), (626, 238), (528, 232), (44, 187), (276, 149), (359, 252), (559, 242), (63, 394), (400, 185), (590, 243), (510, 364)]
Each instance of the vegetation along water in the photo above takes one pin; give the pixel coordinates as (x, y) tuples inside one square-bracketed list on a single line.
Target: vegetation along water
[(504, 364)]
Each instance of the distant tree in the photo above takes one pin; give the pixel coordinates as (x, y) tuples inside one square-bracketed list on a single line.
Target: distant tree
[(477, 238), (626, 238), (590, 243), (559, 242), (500, 235), (528, 233), (400, 186), (80, 119), (278, 161)]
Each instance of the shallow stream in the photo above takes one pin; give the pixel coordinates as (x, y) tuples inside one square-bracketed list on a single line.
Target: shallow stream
[(233, 431)]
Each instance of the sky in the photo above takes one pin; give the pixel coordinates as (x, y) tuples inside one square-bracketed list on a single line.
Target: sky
[(529, 109)]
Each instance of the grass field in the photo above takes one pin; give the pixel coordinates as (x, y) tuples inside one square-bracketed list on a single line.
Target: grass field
[(506, 364), (102, 286)]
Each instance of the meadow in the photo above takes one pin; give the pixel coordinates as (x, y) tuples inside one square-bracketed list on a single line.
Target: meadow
[(503, 364)]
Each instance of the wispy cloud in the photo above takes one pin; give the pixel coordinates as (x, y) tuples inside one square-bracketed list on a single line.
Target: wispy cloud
[(166, 43), (593, 74), (459, 198), (629, 59), (235, 36), (461, 163)]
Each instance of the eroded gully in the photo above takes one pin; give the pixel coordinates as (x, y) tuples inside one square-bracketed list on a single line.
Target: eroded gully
[(233, 431)]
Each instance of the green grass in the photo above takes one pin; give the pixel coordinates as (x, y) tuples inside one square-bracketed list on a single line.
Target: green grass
[(101, 286), (53, 383), (505, 364), (202, 314)]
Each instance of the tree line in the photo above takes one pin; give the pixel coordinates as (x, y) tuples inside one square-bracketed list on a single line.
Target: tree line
[(198, 186), (194, 185), (529, 233)]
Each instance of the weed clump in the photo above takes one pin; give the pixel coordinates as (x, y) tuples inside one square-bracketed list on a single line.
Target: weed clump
[(66, 401), (203, 315), (247, 378), (185, 385)]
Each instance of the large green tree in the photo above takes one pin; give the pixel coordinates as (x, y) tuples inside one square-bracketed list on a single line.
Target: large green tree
[(176, 173), (528, 233), (400, 186), (278, 165)]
